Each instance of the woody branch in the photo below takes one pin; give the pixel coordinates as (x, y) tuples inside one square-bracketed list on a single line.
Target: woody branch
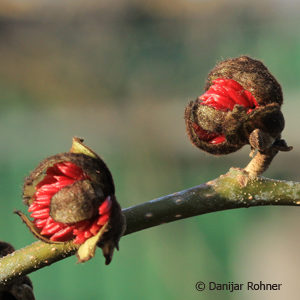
[(236, 189)]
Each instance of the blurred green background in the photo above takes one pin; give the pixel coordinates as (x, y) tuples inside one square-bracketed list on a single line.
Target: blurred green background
[(119, 73)]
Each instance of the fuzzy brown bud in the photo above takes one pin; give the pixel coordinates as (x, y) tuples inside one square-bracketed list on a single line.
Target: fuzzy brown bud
[(71, 198), (241, 106)]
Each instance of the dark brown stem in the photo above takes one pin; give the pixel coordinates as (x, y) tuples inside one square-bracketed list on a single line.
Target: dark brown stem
[(225, 192)]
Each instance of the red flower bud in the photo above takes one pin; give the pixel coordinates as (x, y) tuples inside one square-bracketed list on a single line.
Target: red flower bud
[(71, 198), (241, 106)]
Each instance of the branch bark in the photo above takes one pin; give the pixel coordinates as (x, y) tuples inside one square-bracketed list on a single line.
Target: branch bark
[(236, 189)]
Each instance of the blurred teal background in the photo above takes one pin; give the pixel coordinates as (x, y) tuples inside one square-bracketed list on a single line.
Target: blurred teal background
[(119, 73)]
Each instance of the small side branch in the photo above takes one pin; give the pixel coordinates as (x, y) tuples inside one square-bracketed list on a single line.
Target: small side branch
[(236, 189)]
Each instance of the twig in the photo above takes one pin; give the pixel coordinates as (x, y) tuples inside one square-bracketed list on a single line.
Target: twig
[(260, 162), (236, 189)]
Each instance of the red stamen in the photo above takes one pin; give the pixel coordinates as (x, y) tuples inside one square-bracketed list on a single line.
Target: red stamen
[(62, 183), (54, 170), (34, 206), (95, 227), (218, 140), (49, 188), (51, 229), (42, 213), (83, 225), (102, 220), (251, 99), (63, 235), (40, 223), (42, 195), (70, 170), (228, 82), (223, 95), (238, 97), (80, 239), (48, 179), (224, 102), (105, 206), (87, 234), (203, 134), (43, 200), (49, 221)]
